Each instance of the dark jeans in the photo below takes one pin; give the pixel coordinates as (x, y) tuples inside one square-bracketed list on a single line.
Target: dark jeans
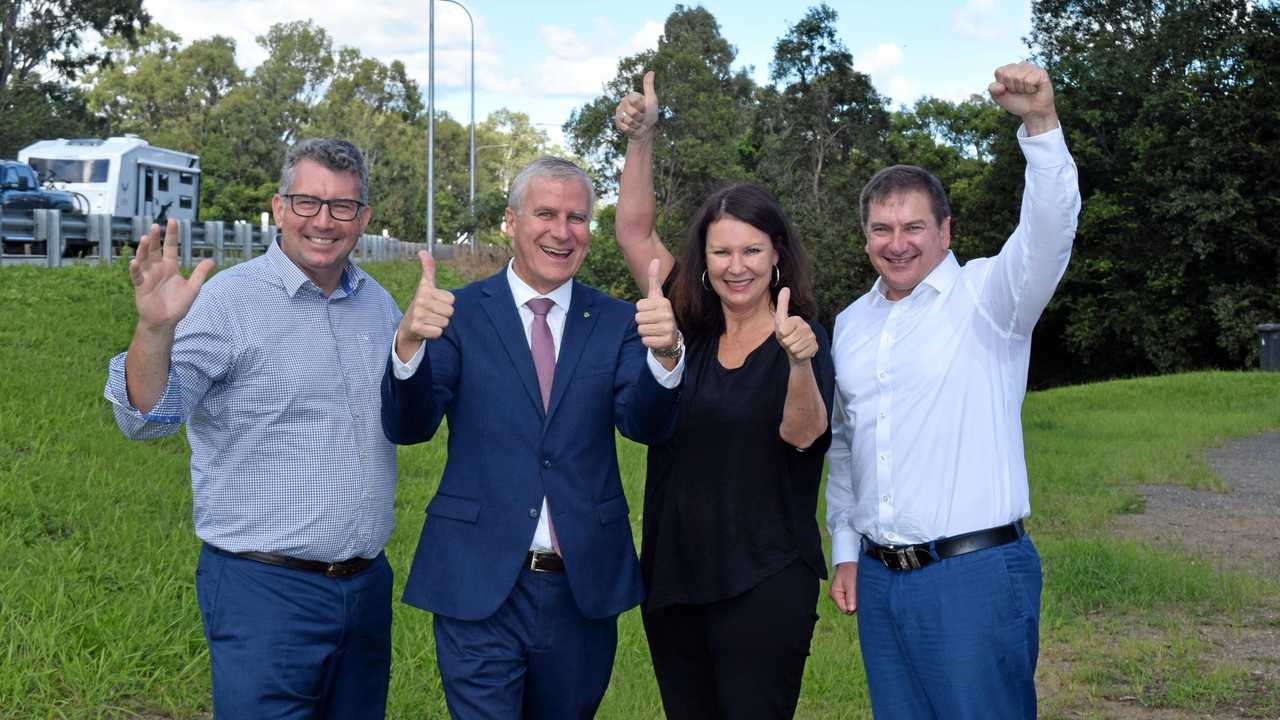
[(294, 644)]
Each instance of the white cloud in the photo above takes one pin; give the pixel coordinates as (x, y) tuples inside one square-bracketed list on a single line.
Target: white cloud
[(381, 29), (881, 58), (981, 20), (578, 66), (646, 38), (884, 64)]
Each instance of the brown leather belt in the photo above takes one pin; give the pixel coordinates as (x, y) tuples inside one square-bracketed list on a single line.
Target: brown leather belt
[(914, 557), (343, 569), (542, 561)]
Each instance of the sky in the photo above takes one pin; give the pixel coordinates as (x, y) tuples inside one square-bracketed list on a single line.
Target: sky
[(547, 58)]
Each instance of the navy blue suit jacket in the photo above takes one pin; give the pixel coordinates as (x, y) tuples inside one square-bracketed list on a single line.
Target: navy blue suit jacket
[(505, 453)]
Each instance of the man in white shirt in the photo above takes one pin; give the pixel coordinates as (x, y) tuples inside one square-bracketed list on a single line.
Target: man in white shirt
[(927, 485)]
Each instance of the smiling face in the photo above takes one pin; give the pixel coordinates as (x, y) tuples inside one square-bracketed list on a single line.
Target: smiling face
[(319, 245), (740, 260), (904, 241), (551, 232)]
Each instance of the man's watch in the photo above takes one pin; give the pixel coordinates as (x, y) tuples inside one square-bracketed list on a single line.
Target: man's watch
[(674, 352)]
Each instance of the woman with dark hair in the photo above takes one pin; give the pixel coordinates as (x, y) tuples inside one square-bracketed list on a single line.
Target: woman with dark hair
[(731, 555)]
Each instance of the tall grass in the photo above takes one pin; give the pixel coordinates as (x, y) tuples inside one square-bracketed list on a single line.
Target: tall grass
[(98, 617)]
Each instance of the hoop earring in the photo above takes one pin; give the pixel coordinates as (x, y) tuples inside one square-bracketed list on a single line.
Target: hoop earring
[(777, 276), (705, 285)]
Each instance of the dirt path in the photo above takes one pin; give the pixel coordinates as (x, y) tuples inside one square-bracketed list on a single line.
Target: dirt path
[(1235, 530)]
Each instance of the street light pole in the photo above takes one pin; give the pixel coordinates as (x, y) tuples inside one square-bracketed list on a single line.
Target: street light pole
[(431, 52), (431, 126)]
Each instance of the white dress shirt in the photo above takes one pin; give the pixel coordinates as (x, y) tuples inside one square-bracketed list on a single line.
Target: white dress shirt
[(560, 297), (926, 429)]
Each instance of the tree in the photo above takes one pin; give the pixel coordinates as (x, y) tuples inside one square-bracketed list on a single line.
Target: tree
[(706, 111), (819, 135), (50, 33), (35, 110), (1170, 110), (162, 91)]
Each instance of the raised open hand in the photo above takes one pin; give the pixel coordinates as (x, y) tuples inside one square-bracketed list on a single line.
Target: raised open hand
[(160, 293)]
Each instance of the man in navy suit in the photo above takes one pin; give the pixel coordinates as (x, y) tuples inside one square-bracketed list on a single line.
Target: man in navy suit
[(526, 557)]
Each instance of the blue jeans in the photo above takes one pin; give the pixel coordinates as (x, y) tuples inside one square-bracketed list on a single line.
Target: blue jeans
[(294, 644), (956, 639)]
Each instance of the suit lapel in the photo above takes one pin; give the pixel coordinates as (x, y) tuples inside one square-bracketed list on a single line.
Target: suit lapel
[(578, 325), (500, 306)]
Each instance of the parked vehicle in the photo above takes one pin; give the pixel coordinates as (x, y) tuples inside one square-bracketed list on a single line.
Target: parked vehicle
[(20, 190), (123, 176)]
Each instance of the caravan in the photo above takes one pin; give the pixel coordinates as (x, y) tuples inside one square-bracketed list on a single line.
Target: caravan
[(123, 176)]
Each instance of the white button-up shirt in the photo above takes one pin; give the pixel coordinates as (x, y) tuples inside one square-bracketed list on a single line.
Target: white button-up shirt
[(926, 429)]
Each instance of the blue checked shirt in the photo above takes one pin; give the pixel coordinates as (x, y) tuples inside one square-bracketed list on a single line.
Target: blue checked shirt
[(279, 388)]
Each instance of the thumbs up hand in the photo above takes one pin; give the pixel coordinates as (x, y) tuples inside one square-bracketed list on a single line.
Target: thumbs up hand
[(656, 321), (636, 114), (428, 313), (793, 333)]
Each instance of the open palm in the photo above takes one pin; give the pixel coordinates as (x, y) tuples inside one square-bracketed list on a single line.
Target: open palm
[(160, 293)]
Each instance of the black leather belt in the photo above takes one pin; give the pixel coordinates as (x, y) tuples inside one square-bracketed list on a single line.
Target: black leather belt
[(542, 561), (346, 568), (914, 557)]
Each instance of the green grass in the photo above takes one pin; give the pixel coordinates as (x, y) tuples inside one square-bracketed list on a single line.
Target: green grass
[(97, 611)]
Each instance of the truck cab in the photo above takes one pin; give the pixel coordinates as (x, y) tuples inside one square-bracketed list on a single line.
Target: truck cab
[(20, 190)]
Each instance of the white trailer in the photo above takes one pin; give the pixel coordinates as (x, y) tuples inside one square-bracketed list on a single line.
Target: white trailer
[(123, 176)]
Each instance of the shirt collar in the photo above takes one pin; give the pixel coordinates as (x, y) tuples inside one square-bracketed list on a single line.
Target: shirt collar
[(522, 293), (292, 277), (940, 279)]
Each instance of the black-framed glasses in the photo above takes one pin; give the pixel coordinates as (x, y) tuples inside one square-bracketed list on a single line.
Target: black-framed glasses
[(309, 206)]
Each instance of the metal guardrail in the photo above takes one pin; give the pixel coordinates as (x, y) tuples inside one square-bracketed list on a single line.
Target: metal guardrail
[(45, 236)]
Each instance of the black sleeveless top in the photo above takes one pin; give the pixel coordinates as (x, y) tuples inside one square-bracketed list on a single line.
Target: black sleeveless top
[(727, 502)]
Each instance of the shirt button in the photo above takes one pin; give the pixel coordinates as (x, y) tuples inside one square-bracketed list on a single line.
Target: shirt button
[(884, 375), (883, 457), (884, 415), (546, 463), (884, 498), (533, 512)]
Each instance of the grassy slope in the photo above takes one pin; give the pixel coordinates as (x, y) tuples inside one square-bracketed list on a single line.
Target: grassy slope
[(98, 616)]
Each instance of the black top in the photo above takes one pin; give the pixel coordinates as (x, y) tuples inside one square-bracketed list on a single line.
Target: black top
[(727, 501)]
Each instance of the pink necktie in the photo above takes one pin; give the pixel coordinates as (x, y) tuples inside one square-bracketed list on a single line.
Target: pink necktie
[(544, 364), (543, 347)]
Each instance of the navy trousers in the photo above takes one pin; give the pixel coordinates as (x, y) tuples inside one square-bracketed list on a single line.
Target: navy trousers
[(956, 639), (293, 644), (535, 657)]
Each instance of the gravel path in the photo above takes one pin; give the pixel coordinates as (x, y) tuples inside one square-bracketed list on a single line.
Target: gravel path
[(1237, 529)]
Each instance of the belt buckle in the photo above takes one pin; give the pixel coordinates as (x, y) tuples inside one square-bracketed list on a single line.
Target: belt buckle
[(905, 557), (338, 570)]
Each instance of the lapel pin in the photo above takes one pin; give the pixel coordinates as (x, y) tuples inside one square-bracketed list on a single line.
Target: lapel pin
[(586, 314)]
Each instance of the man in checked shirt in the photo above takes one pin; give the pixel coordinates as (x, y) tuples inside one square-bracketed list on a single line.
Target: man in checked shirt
[(928, 484), (274, 366)]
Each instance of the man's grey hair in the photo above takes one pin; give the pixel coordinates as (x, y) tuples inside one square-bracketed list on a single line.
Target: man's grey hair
[(331, 154), (555, 169)]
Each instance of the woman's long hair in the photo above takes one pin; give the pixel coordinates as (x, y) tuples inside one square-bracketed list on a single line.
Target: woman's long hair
[(696, 306)]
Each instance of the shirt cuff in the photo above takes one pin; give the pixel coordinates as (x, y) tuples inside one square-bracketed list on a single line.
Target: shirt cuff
[(845, 546), (1046, 150), (405, 370), (666, 378)]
